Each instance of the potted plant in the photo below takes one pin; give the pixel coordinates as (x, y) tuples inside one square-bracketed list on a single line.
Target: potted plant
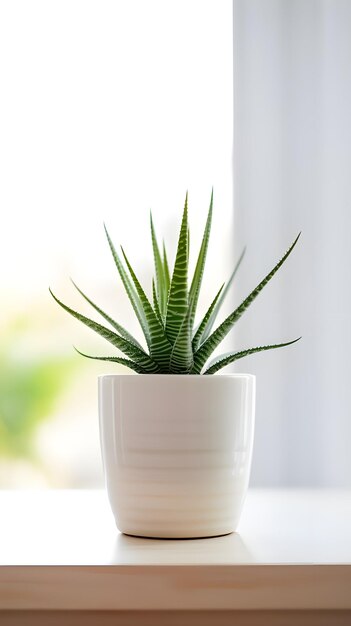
[(176, 441)]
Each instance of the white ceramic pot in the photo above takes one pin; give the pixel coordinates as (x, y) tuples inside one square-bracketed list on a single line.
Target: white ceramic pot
[(177, 451)]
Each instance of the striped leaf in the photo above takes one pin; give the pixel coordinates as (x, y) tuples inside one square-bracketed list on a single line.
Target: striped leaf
[(161, 288), (122, 331), (178, 295), (155, 303), (166, 273), (115, 359), (206, 349), (159, 345), (226, 359), (216, 309), (203, 324), (200, 265), (181, 360), (132, 295), (129, 349)]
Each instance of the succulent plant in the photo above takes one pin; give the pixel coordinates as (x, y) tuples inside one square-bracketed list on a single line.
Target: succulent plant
[(174, 346)]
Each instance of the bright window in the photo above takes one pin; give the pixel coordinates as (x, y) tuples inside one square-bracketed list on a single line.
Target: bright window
[(106, 109)]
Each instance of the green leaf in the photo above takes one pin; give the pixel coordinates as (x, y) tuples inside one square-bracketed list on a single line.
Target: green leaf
[(200, 265), (203, 324), (159, 345), (166, 273), (122, 331), (132, 295), (217, 308), (130, 349), (178, 295), (218, 335), (226, 359), (181, 360), (161, 289), (155, 302), (115, 359)]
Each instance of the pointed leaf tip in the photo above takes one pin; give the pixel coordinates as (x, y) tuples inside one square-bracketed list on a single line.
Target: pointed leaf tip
[(177, 305), (200, 265), (218, 335), (225, 359), (122, 331)]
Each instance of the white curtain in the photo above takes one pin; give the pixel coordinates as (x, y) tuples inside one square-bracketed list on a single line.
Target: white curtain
[(292, 160)]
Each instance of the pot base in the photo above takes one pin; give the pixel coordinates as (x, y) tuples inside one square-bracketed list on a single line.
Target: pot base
[(175, 538), (178, 534)]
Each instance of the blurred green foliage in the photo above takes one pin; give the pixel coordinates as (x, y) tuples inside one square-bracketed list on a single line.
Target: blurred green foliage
[(31, 383)]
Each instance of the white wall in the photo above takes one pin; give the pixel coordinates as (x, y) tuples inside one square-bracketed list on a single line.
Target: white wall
[(292, 63)]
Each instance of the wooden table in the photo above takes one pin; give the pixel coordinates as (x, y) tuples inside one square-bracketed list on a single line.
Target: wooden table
[(62, 561)]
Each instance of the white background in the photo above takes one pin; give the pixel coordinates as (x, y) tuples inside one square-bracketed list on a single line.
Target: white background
[(292, 172), (110, 108), (107, 109)]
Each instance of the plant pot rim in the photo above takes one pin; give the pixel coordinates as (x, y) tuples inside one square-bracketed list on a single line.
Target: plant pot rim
[(179, 376)]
